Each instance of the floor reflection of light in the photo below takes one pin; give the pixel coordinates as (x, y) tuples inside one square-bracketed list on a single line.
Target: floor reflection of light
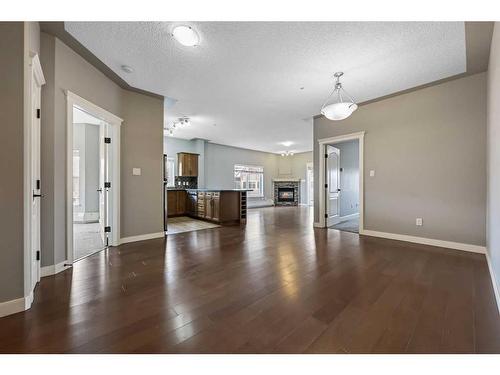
[(288, 276)]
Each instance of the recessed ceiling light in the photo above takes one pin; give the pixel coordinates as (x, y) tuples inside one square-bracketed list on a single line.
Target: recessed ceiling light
[(287, 143), (186, 36), (127, 69)]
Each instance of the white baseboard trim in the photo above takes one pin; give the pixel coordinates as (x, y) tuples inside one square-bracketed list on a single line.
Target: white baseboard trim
[(426, 241), (53, 269), (142, 237), (16, 305), (494, 282), (317, 225)]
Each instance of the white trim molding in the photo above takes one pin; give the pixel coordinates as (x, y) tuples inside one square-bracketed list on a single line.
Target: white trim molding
[(317, 225), (54, 268), (16, 305), (493, 281), (426, 241), (360, 136), (142, 237), (115, 122)]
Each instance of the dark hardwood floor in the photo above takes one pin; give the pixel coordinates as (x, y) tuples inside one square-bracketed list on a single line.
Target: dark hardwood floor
[(274, 286)]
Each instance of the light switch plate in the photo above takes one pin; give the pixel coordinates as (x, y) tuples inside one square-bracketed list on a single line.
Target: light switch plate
[(372, 173), (136, 171), (419, 222)]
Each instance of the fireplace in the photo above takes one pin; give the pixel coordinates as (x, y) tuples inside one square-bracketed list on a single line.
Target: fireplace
[(286, 192)]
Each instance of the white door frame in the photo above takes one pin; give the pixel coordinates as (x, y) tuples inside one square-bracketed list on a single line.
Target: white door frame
[(35, 77), (115, 123), (309, 166), (360, 136)]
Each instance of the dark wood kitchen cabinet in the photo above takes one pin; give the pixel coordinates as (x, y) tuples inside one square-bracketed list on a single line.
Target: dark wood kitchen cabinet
[(187, 164), (225, 206), (176, 202)]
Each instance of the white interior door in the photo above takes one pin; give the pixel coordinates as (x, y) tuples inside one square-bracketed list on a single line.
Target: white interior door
[(332, 161), (102, 180), (310, 184), (35, 185)]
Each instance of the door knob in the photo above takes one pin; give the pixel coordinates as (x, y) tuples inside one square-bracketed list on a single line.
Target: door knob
[(99, 190), (37, 195)]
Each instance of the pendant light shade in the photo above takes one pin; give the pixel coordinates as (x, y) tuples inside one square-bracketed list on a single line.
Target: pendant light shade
[(341, 106)]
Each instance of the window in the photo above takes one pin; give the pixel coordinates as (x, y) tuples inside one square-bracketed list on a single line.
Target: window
[(170, 172), (250, 177), (76, 177)]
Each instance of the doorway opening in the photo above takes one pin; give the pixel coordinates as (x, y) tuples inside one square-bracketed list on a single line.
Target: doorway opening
[(342, 172), (341, 179), (93, 179), (90, 174)]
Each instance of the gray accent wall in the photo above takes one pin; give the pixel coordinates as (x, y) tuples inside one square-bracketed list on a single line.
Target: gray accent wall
[(11, 160), (86, 140), (220, 161), (427, 148), (349, 177), (493, 228)]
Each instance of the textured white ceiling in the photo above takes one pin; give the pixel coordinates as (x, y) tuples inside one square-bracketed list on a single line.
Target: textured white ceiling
[(241, 86)]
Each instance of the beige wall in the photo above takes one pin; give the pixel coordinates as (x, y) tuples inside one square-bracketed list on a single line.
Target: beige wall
[(428, 150), (141, 201), (11, 160), (141, 146), (493, 219)]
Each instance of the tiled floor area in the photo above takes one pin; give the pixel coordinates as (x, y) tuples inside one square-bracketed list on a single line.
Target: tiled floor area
[(183, 224), (86, 239), (351, 225)]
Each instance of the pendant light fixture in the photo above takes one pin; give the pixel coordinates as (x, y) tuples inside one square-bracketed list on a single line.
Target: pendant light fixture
[(342, 106)]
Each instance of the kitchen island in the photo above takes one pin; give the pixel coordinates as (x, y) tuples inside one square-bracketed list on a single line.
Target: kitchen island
[(222, 206)]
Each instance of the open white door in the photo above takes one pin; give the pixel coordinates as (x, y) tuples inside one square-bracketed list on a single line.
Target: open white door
[(332, 187), (103, 178), (310, 184)]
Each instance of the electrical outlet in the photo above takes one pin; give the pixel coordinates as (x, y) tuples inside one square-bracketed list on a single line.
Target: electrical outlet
[(419, 222), (372, 173), (136, 171)]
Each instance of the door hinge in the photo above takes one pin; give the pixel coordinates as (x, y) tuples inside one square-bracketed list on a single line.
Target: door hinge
[(38, 113), (107, 184), (38, 255), (37, 184), (326, 156), (326, 186), (107, 229), (107, 140), (326, 216)]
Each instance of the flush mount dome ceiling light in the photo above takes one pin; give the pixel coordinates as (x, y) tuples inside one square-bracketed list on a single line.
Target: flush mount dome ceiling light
[(186, 36), (127, 69), (343, 105)]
